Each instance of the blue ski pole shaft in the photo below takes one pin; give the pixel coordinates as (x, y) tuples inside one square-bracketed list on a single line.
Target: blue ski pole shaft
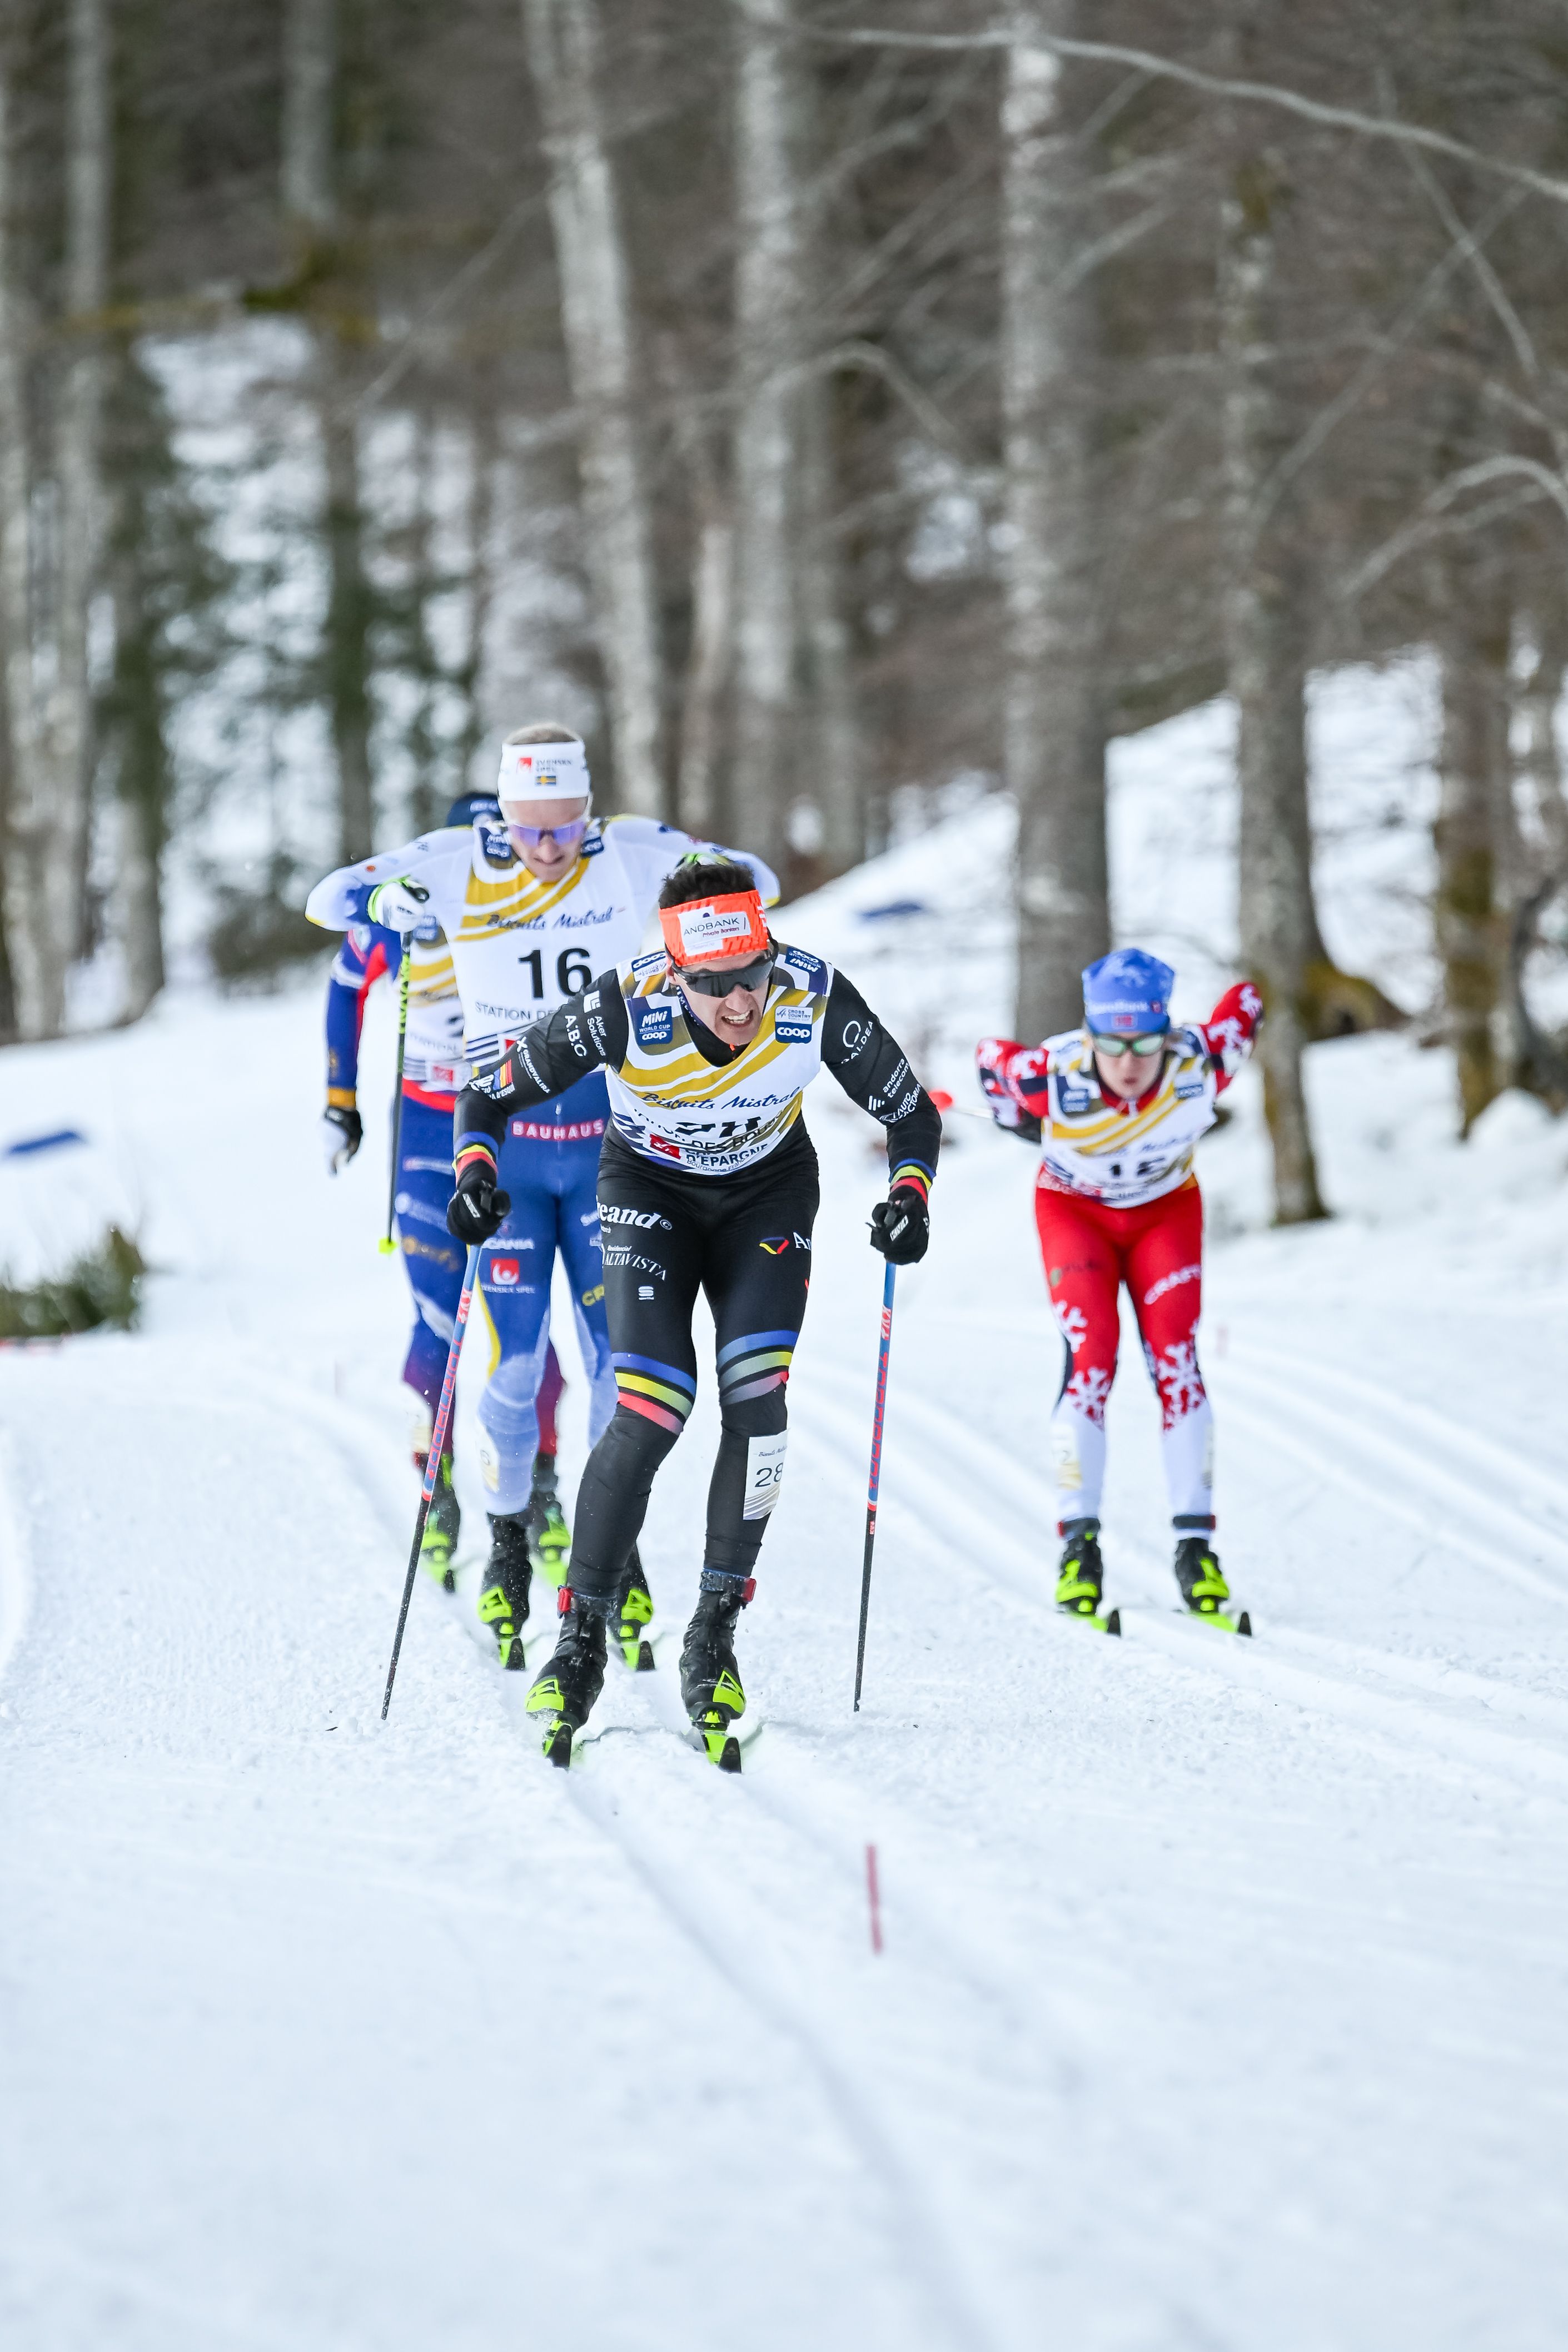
[(386, 1244), (433, 1464), (874, 1483)]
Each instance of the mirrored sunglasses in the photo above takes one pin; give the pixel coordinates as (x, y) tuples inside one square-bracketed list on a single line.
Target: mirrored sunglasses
[(735, 975), (528, 836), (1142, 1046)]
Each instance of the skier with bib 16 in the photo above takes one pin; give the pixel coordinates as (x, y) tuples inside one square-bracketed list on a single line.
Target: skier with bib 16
[(708, 1181), (433, 1069), (532, 904), (1118, 1107)]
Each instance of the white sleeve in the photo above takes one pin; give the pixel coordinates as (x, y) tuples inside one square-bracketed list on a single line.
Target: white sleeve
[(439, 860)]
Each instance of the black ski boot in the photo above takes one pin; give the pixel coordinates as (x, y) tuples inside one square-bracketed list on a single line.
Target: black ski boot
[(504, 1596), (1203, 1588), (562, 1696), (1080, 1579), (549, 1537), (710, 1679), (633, 1609), (444, 1522)]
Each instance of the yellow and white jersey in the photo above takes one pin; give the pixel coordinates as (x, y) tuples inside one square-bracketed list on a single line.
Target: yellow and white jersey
[(1122, 1154), (433, 1051), (521, 947), (671, 1104)]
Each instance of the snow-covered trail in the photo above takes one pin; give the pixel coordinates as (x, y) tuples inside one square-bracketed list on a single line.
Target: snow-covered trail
[(1222, 1984)]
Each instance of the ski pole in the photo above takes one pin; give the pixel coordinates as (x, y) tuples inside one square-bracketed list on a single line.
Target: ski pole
[(433, 1463), (875, 1480), (386, 1244)]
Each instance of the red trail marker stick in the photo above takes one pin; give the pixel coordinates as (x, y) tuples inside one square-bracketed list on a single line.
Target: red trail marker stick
[(875, 1480), (433, 1464), (874, 1897)]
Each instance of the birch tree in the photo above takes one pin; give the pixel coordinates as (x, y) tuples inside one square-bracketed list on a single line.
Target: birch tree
[(564, 50), (769, 261), (312, 228), (47, 590), (1053, 721), (1266, 645)]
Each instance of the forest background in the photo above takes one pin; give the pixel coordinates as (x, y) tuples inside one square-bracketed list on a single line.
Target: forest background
[(826, 407)]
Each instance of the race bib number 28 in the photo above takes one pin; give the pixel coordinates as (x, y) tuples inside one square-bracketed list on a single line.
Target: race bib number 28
[(764, 1473)]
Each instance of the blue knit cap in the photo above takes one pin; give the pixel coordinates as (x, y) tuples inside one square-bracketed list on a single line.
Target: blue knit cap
[(469, 806), (1127, 994)]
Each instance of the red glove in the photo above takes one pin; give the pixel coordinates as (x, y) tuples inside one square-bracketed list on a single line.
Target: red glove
[(1230, 1029)]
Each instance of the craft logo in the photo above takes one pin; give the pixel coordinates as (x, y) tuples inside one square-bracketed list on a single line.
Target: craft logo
[(505, 1272)]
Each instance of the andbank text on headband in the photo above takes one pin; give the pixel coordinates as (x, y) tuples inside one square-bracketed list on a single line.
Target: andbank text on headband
[(729, 930)]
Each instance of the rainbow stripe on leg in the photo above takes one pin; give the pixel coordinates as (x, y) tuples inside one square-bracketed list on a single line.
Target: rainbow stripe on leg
[(660, 1392)]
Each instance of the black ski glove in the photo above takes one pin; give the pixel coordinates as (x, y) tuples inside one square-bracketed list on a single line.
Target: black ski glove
[(345, 1132), (476, 1210), (901, 1226)]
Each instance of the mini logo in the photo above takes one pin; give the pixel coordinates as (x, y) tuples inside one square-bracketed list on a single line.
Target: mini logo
[(506, 1271)]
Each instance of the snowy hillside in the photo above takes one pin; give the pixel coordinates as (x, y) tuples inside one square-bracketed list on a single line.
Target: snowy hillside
[(1221, 1989)]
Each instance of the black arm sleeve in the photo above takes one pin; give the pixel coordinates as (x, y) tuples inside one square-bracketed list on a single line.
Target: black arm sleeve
[(875, 1072), (588, 1031)]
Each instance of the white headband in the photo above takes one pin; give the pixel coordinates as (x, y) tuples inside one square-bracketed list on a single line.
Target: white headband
[(543, 771)]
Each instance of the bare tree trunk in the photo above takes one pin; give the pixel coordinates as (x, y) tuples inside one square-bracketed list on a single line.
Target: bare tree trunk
[(348, 623), (480, 523), (309, 192), (79, 448), (1266, 645), (770, 256), (1053, 723), (707, 670), (835, 744), (35, 931), (143, 793), (564, 46), (309, 102), (1474, 769), (1537, 696)]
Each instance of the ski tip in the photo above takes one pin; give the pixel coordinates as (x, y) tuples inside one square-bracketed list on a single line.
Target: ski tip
[(512, 1656), (1244, 1622), (646, 1662), (1113, 1622), (729, 1757), (558, 1745)]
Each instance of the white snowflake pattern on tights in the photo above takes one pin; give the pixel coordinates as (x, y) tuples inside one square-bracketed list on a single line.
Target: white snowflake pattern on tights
[(1087, 1391), (1073, 1323), (1180, 1381)]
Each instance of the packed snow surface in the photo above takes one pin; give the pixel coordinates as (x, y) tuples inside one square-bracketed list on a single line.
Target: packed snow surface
[(1220, 1996)]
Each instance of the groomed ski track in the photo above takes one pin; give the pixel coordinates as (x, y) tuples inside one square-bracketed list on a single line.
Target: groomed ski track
[(1221, 1996)]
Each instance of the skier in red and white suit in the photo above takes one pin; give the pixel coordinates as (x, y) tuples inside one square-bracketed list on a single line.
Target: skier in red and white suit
[(1118, 1107)]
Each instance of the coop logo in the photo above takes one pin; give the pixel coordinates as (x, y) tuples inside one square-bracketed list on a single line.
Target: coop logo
[(793, 1028), (653, 1025)]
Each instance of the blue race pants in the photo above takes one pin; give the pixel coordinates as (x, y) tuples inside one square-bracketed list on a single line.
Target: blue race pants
[(433, 1263)]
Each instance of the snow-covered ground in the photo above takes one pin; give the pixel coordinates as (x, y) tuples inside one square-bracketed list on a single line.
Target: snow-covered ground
[(1222, 1990)]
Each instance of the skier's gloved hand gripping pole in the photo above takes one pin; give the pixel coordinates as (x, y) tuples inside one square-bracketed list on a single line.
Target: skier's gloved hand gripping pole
[(438, 1437)]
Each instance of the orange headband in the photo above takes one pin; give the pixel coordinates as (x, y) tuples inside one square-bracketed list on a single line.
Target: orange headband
[(715, 930)]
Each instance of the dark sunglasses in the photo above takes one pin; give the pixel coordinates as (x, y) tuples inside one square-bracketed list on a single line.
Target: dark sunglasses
[(1142, 1046), (737, 975)]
